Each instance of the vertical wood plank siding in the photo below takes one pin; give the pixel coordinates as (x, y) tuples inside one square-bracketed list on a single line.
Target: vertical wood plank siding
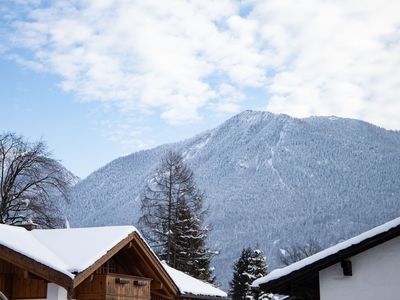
[(105, 287), (16, 283)]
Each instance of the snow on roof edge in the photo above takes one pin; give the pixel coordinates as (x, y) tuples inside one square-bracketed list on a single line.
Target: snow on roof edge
[(52, 261), (278, 273), (37, 245), (188, 285)]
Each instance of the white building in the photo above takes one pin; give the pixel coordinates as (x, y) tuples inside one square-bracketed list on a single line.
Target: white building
[(364, 267)]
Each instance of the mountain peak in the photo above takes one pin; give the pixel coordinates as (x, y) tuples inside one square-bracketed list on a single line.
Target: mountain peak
[(249, 115), (264, 175)]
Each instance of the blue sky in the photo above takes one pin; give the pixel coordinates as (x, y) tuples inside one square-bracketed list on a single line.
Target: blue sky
[(101, 79), (38, 109)]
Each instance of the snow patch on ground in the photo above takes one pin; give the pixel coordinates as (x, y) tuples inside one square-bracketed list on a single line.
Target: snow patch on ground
[(271, 160), (194, 149), (243, 164)]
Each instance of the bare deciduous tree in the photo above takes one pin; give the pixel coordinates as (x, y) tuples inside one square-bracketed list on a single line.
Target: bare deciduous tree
[(290, 255), (29, 178)]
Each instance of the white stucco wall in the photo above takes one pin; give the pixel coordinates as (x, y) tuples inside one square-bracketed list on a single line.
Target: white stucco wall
[(55, 292), (376, 275)]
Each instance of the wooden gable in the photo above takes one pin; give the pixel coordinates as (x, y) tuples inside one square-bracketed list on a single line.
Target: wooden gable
[(129, 270), (139, 271)]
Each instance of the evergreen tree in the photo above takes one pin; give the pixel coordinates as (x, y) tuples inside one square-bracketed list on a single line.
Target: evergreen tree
[(250, 266), (240, 284), (192, 255), (258, 269), (172, 218)]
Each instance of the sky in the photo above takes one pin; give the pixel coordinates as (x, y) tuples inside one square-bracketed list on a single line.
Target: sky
[(98, 79)]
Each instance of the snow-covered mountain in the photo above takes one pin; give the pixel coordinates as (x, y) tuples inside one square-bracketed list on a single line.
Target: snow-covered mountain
[(270, 180)]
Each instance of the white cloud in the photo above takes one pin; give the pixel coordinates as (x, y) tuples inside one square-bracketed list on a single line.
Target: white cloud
[(228, 99), (333, 57), (176, 57), (144, 54)]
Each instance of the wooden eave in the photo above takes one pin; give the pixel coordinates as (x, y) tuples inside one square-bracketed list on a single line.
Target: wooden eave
[(43, 271), (81, 276), (145, 253), (156, 265), (205, 297), (283, 284)]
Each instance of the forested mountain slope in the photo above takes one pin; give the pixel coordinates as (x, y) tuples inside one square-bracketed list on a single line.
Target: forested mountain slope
[(270, 180)]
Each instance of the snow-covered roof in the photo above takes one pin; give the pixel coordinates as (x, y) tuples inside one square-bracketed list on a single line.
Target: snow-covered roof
[(279, 273), (192, 286), (65, 250), (79, 248), (22, 241), (72, 250)]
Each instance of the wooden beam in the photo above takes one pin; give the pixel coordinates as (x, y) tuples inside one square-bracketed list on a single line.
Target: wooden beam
[(34, 267), (122, 263), (163, 294), (156, 283), (80, 277), (148, 255), (346, 267), (132, 261)]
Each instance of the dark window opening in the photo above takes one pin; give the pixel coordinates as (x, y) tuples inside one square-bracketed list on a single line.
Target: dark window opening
[(109, 267)]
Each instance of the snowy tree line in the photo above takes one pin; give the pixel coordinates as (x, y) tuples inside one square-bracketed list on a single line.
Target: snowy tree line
[(172, 221), (331, 178)]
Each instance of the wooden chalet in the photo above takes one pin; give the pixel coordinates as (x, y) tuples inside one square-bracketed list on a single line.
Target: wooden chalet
[(364, 267), (99, 263)]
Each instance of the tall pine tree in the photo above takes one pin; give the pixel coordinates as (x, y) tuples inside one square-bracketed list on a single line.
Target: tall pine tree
[(172, 218), (192, 255), (250, 266), (240, 286)]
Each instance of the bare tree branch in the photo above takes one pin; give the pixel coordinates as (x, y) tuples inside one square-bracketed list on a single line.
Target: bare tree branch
[(29, 182), (292, 254)]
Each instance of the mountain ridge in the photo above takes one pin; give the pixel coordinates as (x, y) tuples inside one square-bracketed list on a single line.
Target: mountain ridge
[(264, 173)]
